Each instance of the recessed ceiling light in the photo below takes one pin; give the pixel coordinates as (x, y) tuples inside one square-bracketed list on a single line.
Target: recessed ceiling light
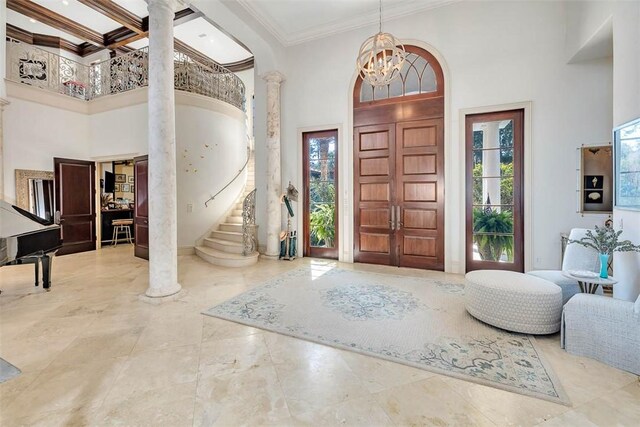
[(202, 35), (65, 2), (32, 20)]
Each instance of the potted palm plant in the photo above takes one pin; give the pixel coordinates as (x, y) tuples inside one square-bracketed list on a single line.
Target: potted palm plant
[(606, 241)]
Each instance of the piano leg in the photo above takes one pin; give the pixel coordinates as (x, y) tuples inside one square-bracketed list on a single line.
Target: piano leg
[(37, 269), (47, 261)]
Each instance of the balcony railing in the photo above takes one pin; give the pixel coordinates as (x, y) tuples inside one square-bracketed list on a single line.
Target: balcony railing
[(37, 67)]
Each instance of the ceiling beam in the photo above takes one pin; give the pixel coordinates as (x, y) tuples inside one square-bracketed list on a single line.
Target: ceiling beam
[(19, 34), (48, 17), (43, 40), (117, 13), (123, 35), (35, 39)]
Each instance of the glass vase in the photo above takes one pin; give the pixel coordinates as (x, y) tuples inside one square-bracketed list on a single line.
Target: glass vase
[(604, 266)]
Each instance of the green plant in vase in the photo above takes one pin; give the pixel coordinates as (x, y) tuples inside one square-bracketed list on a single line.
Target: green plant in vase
[(493, 233), (606, 241)]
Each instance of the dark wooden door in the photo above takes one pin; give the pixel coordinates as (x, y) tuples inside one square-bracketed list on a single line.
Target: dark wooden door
[(75, 199), (374, 176), (495, 191), (419, 194), (141, 211), (320, 211)]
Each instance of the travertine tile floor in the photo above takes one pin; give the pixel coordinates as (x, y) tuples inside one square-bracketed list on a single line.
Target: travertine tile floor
[(93, 354)]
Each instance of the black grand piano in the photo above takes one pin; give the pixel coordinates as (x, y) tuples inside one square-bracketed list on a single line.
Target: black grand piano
[(28, 239)]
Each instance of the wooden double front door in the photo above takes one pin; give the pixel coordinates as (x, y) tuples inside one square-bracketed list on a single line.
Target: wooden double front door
[(399, 193)]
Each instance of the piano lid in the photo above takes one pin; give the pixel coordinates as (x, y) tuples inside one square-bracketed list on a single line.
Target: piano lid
[(15, 221)]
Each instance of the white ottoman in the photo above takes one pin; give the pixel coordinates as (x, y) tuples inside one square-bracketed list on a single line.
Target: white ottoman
[(514, 301)]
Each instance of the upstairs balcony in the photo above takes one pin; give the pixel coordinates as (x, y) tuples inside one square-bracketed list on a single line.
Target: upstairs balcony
[(36, 67)]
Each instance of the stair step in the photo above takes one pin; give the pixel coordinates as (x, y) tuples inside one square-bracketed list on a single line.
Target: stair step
[(236, 212), (226, 259), (233, 219), (225, 226), (227, 235), (223, 245)]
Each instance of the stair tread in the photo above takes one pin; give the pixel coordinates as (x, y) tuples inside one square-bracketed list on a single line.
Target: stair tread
[(231, 233), (223, 242), (226, 255)]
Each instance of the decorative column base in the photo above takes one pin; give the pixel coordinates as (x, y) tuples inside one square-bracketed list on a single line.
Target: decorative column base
[(269, 257), (157, 300)]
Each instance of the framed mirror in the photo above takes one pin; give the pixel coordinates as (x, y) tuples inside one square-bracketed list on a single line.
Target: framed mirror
[(595, 179), (627, 165), (34, 192)]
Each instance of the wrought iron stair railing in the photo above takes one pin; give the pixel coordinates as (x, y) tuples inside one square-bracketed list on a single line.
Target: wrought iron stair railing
[(46, 70), (249, 234)]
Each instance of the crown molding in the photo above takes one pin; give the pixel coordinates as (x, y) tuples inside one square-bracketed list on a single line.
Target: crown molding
[(396, 11)]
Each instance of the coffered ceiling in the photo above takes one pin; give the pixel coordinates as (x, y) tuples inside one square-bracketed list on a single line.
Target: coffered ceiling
[(297, 21), (88, 26)]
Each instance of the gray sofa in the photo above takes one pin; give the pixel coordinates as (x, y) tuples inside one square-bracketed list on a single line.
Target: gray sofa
[(604, 329)]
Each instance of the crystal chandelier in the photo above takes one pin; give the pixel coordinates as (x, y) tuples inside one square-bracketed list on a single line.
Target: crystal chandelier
[(381, 57)]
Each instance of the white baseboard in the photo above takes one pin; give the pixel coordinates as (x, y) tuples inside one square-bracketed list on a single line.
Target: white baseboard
[(186, 250)]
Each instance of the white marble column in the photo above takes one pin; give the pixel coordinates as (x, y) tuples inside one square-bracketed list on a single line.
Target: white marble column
[(163, 216), (274, 185), (3, 89)]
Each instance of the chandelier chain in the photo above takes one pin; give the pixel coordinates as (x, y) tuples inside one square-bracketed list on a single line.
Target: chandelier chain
[(381, 57)]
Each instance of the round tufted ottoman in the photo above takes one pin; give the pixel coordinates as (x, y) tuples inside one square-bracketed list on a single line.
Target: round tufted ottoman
[(514, 301)]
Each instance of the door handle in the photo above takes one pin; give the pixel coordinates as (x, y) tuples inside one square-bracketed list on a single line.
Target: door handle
[(399, 223), (393, 218), (146, 222)]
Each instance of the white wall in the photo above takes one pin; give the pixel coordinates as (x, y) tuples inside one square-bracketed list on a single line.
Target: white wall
[(496, 53), (35, 133)]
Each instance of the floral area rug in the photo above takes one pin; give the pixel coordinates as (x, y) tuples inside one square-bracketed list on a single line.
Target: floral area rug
[(415, 321)]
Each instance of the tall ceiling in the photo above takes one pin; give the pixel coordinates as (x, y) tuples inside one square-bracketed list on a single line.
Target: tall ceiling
[(192, 29), (297, 21)]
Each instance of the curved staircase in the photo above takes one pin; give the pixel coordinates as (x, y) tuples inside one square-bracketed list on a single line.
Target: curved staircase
[(224, 245)]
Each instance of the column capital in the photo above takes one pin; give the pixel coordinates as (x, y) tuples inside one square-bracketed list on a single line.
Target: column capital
[(273, 77), (173, 5)]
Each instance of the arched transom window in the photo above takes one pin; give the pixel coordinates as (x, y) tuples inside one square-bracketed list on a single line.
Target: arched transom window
[(420, 75)]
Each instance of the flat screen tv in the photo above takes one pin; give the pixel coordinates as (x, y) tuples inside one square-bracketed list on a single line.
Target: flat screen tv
[(109, 182)]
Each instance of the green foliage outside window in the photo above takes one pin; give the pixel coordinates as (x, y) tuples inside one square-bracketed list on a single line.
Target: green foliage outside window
[(322, 213)]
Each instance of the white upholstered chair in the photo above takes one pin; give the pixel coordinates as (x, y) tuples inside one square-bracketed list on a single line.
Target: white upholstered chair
[(576, 257), (604, 329)]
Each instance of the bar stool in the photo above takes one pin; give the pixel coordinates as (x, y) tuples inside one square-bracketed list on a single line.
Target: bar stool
[(121, 226)]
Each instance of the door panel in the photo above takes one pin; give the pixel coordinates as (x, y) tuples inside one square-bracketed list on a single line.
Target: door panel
[(75, 203), (374, 172), (420, 194), (141, 210)]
